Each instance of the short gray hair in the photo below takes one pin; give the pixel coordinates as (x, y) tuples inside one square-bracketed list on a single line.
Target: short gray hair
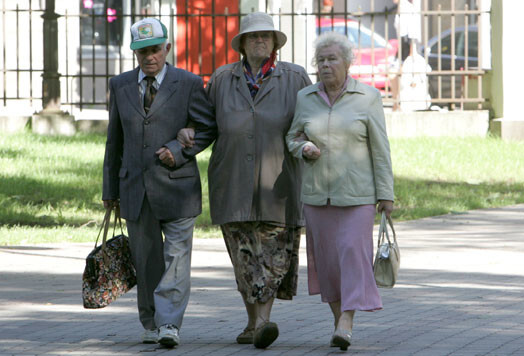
[(327, 39)]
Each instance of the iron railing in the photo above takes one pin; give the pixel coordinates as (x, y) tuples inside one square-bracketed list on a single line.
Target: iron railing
[(93, 45)]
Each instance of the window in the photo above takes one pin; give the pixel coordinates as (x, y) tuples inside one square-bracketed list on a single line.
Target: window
[(445, 44), (459, 44), (472, 43), (101, 22)]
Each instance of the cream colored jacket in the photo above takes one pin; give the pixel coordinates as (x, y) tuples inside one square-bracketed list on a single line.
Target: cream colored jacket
[(355, 163)]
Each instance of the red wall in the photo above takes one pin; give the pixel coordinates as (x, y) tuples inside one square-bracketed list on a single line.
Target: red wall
[(199, 29)]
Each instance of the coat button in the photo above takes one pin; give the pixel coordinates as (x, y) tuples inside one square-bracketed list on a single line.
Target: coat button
[(146, 122), (250, 136), (249, 157)]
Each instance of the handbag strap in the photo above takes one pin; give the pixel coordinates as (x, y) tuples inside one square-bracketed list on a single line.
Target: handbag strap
[(119, 219), (383, 233), (390, 222), (104, 227)]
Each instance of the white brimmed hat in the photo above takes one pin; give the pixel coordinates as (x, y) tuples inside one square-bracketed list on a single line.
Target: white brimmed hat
[(254, 22), (147, 32)]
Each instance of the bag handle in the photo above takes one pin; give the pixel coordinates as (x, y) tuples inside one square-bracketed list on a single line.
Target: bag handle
[(383, 229), (107, 222), (117, 217), (104, 227)]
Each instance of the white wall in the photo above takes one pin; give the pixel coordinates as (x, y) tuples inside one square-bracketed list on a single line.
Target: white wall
[(506, 85), (512, 76)]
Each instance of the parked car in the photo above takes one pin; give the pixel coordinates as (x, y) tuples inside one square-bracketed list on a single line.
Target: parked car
[(461, 58), (373, 54)]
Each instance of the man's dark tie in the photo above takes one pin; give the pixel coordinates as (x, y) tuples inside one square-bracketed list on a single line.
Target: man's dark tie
[(149, 94)]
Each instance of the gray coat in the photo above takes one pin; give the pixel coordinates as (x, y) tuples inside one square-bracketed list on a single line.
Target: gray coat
[(131, 167), (252, 176)]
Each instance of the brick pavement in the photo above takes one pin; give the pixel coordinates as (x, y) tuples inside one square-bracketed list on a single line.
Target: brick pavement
[(461, 292)]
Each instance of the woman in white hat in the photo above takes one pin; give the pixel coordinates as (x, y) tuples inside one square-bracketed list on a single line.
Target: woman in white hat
[(253, 179)]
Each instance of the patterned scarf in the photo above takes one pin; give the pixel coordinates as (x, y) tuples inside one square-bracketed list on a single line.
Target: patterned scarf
[(254, 82)]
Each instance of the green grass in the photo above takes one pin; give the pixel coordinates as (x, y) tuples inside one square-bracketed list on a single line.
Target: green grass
[(50, 187), (435, 176)]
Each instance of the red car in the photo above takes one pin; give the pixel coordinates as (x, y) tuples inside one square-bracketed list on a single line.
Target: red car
[(373, 54)]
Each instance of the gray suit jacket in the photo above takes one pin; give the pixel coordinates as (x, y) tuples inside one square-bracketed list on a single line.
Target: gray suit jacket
[(131, 167)]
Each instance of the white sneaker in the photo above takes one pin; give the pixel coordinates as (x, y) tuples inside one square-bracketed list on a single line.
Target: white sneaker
[(150, 336), (168, 335)]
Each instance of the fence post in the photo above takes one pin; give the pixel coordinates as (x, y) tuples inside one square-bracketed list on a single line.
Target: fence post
[(51, 120), (51, 77)]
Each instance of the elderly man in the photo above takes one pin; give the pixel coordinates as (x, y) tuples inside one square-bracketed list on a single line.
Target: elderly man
[(153, 178)]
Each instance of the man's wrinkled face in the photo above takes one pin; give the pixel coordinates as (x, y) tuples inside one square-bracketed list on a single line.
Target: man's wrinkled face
[(152, 59)]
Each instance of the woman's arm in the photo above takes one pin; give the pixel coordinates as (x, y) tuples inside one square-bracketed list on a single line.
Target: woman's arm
[(380, 152), (297, 141)]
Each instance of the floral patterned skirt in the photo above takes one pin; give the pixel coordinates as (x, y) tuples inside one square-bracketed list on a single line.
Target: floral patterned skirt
[(264, 258)]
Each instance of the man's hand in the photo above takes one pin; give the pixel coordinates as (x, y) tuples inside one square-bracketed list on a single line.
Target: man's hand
[(186, 137), (385, 205), (111, 203), (310, 151), (166, 157)]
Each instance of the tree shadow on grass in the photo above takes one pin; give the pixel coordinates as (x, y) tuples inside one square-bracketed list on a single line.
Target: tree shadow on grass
[(418, 198), (21, 197), (11, 153), (79, 138), (26, 201)]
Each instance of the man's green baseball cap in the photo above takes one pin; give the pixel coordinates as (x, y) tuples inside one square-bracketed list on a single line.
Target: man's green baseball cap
[(147, 32)]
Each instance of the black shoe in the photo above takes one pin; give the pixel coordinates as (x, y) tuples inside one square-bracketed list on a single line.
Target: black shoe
[(265, 334)]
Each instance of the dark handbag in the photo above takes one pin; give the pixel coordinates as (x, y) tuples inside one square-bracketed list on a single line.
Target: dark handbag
[(109, 271), (387, 258)]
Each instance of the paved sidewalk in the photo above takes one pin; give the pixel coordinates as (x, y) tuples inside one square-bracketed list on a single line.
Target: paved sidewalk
[(461, 292)]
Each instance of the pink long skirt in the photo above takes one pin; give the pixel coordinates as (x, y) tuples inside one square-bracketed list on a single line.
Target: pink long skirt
[(340, 255)]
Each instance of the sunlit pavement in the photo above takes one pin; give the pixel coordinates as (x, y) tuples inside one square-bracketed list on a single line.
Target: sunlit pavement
[(461, 292)]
